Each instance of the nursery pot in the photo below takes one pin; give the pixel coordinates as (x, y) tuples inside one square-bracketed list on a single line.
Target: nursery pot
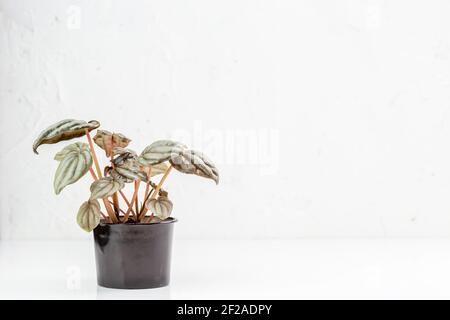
[(133, 256)]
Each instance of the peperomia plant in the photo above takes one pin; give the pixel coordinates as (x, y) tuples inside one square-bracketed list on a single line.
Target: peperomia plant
[(124, 167)]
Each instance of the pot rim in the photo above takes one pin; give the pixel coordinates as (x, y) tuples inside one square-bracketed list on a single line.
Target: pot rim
[(167, 221)]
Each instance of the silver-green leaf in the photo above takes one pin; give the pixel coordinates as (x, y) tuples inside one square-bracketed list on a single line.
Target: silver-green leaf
[(161, 207), (120, 151), (160, 151), (127, 169), (105, 187), (71, 148), (75, 161), (88, 216), (194, 162), (124, 156), (64, 130), (159, 168)]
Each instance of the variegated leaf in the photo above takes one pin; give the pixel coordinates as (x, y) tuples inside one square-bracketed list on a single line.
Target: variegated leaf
[(124, 156), (88, 216), (194, 162), (128, 171), (107, 141), (107, 171), (64, 130), (119, 151), (72, 166), (76, 147), (159, 168), (161, 207), (105, 187), (160, 151)]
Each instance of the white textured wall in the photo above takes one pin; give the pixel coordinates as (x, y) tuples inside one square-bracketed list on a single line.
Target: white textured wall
[(346, 106)]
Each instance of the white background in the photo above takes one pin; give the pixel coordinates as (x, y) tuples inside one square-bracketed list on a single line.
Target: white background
[(348, 101)]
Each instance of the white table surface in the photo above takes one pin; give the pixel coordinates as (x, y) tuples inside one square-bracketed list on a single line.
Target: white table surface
[(241, 269)]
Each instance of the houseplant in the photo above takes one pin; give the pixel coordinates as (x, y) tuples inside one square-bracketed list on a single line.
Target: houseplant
[(132, 237)]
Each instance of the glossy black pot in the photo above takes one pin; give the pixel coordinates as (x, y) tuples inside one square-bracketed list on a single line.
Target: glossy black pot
[(133, 256)]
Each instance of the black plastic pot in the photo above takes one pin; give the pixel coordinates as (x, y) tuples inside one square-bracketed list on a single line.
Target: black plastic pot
[(133, 256)]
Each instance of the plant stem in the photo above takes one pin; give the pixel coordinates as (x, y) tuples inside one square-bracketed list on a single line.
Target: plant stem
[(136, 201), (119, 208), (110, 211), (147, 187), (93, 174), (116, 203), (94, 155), (144, 209), (126, 201), (114, 196), (150, 218), (156, 191), (130, 207), (103, 215), (164, 177)]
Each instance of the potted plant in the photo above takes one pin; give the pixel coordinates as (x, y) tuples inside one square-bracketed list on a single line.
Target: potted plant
[(132, 235)]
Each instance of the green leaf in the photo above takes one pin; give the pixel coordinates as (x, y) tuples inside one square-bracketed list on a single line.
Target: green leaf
[(160, 151), (64, 130), (161, 207), (105, 187), (75, 161), (88, 216), (194, 162)]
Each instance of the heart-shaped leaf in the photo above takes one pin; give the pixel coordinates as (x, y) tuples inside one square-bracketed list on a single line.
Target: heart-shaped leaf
[(88, 216), (105, 187), (64, 130), (107, 141), (160, 151), (75, 161), (76, 147), (194, 162), (161, 207)]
